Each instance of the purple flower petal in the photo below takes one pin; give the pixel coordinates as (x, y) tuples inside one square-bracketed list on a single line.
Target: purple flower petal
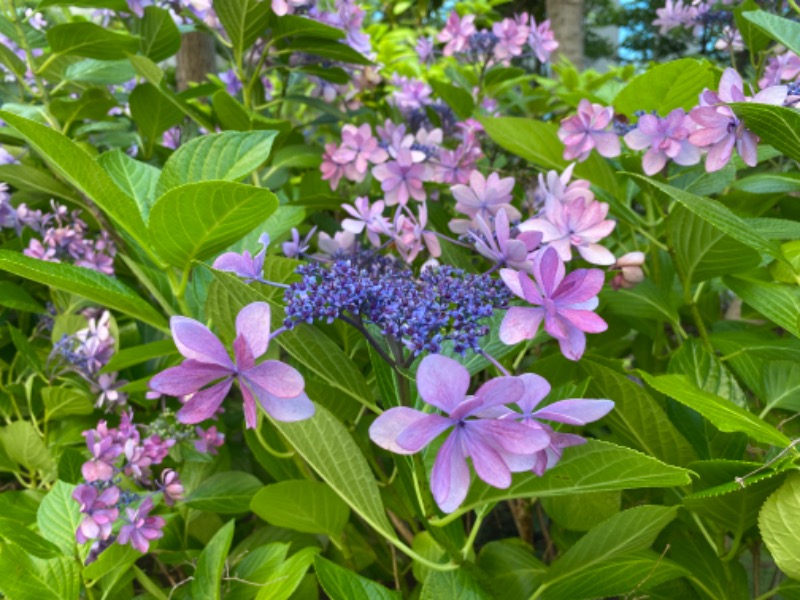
[(385, 430), (575, 411), (488, 463), (277, 378), (286, 410), (204, 404), (194, 340), (442, 382), (519, 324), (500, 390), (536, 389), (187, 378), (450, 476), (253, 324), (422, 432)]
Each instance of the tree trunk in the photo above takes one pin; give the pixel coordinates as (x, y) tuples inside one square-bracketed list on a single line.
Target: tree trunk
[(196, 58), (566, 20)]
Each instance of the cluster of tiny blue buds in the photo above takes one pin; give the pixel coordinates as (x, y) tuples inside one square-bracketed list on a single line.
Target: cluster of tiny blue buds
[(419, 118), (482, 43), (422, 312)]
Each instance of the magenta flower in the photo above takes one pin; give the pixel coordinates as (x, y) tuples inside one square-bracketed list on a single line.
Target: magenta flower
[(456, 33), (358, 149), (332, 169), (401, 178), (719, 130), (141, 528), (570, 412), (511, 37), (100, 509), (542, 40), (483, 197), (275, 385), (297, 246), (249, 267), (369, 218), (498, 245), (492, 444), (171, 486), (565, 304), (666, 138), (588, 129), (231, 82), (208, 440), (580, 223), (104, 450), (412, 236), (424, 49)]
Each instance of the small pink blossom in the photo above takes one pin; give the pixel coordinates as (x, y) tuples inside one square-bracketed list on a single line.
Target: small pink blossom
[(358, 149), (342, 242), (456, 33), (369, 218), (332, 168), (587, 130), (629, 267), (401, 178), (412, 236), (542, 40), (783, 67), (500, 247), (512, 35), (664, 139), (484, 197)]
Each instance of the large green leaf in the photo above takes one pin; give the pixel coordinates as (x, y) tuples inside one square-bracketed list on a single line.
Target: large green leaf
[(17, 298), (778, 524), (58, 517), (101, 72), (24, 177), (91, 41), (308, 506), (706, 371), (63, 401), (593, 467), (538, 143), (724, 414), (297, 26), (160, 36), (342, 584), (769, 183), (229, 492), (25, 446), (136, 178), (611, 560), (665, 87), (702, 251), (139, 354), (783, 31), (329, 49), (453, 585), (244, 21), (29, 578), (34, 544), (226, 156), (512, 567), (106, 291), (777, 126), (71, 162), (755, 40), (256, 568), (208, 574), (153, 113), (197, 220), (775, 301), (781, 385), (324, 442), (283, 582)]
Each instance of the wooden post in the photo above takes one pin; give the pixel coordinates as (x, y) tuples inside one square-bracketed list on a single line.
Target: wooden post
[(195, 59), (566, 20)]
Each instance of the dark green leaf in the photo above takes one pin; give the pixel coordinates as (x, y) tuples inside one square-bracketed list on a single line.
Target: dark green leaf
[(458, 99), (160, 36), (61, 402), (29, 578), (32, 543), (307, 506), (512, 567), (139, 354), (15, 297), (775, 301), (91, 41), (228, 493), (777, 126), (342, 584), (329, 49), (153, 112), (291, 26)]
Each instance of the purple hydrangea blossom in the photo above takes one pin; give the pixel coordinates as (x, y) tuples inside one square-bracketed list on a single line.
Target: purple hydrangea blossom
[(369, 218), (412, 236), (208, 372), (402, 178), (100, 509), (332, 169), (664, 138), (342, 243), (542, 40), (783, 67), (565, 304), (587, 130), (484, 197), (358, 149), (245, 265), (674, 14), (559, 188), (141, 528), (500, 247), (456, 33), (494, 445), (208, 440), (231, 81), (297, 246), (104, 449), (511, 37)]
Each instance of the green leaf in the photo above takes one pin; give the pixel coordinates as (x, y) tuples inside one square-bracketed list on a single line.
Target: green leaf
[(61, 401), (453, 585), (769, 183), (512, 567), (226, 156), (137, 179), (781, 386), (139, 354), (329, 49), (58, 517), (342, 584), (456, 98), (12, 61), (783, 31), (30, 578), (71, 162), (777, 126), (754, 38), (665, 87), (777, 523), (591, 568), (706, 371), (117, 5), (702, 251), (160, 36), (32, 543), (116, 556), (91, 41), (106, 291), (100, 72), (197, 220), (153, 113), (25, 447), (287, 577), (228, 493), (257, 567), (538, 143), (584, 511), (210, 564), (244, 21), (717, 215), (723, 414), (31, 179), (775, 301), (296, 26), (325, 444), (307, 506), (69, 465), (15, 297), (593, 467)]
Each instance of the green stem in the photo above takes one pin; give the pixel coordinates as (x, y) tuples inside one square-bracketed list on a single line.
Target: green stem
[(270, 449), (480, 515)]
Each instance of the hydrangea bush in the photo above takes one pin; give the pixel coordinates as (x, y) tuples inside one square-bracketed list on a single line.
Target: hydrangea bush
[(385, 306)]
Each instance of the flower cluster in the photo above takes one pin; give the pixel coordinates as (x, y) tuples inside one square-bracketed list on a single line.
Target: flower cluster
[(697, 15), (119, 475), (499, 439), (61, 235), (208, 372)]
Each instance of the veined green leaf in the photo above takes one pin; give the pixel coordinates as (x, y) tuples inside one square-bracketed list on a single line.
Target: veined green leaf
[(777, 525), (208, 574), (302, 505)]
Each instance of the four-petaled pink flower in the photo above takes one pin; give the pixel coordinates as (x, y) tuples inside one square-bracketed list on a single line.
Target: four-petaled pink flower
[(588, 129), (580, 223), (332, 169), (359, 148), (542, 39), (494, 445), (666, 138), (456, 33), (100, 509), (366, 217), (275, 385), (401, 178), (565, 304), (484, 196), (498, 245), (411, 235), (555, 187), (511, 35), (141, 528)]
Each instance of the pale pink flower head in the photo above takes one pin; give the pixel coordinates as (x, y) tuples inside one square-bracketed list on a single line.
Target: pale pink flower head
[(454, 166), (411, 236), (332, 168), (542, 40), (555, 187), (674, 14), (495, 445), (100, 509), (580, 224), (664, 139), (587, 130), (358, 149), (511, 37), (484, 196), (565, 304), (783, 67), (402, 178), (456, 33), (342, 242), (499, 246), (208, 372), (369, 218)]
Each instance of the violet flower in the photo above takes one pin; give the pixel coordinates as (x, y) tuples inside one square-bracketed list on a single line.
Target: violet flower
[(558, 188), (492, 444), (542, 40), (783, 67), (511, 35), (498, 245), (580, 223), (483, 197), (249, 267), (401, 178), (332, 169), (358, 149), (672, 15), (231, 81), (171, 486), (666, 138), (587, 130), (342, 242), (141, 528), (275, 385), (100, 510), (208, 440), (411, 236), (565, 304), (297, 246), (456, 33), (369, 218), (104, 450)]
